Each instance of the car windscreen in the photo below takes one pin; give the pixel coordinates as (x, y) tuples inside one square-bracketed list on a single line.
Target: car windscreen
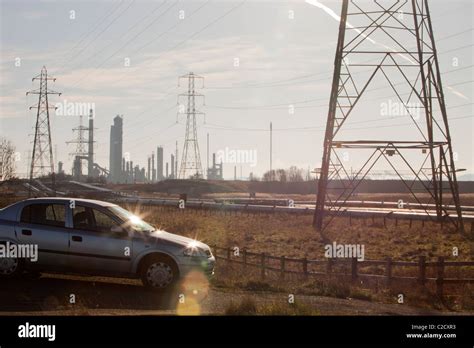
[(132, 220)]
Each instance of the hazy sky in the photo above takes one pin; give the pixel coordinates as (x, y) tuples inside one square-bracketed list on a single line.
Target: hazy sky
[(260, 59)]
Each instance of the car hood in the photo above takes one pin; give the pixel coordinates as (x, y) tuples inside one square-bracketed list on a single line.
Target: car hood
[(176, 239)]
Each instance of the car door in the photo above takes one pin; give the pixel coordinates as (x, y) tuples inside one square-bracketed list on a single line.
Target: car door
[(94, 247), (44, 225)]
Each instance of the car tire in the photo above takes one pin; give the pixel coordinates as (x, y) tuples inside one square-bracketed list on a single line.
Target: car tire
[(11, 267), (159, 273)]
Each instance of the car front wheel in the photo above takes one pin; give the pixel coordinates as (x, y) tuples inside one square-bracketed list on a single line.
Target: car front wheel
[(10, 267), (159, 273)]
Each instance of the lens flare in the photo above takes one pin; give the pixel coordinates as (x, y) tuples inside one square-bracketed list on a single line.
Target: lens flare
[(193, 244), (195, 288), (135, 219)]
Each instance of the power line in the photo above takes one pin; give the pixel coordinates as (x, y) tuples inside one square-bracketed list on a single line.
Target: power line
[(162, 34), (127, 31), (171, 28), (142, 125), (126, 43), (278, 82), (153, 136), (317, 128), (455, 34), (87, 33), (286, 105), (101, 32), (193, 35)]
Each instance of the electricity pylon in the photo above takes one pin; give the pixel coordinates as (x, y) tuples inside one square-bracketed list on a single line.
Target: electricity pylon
[(383, 41), (80, 153), (191, 158), (42, 156)]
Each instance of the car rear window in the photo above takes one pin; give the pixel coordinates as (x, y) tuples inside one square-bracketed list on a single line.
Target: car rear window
[(44, 214)]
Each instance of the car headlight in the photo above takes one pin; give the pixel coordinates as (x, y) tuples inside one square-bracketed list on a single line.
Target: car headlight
[(194, 251)]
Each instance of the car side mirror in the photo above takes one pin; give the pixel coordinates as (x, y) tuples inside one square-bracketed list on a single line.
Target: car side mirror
[(117, 229)]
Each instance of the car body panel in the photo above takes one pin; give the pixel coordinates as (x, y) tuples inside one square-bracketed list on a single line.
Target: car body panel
[(52, 243)]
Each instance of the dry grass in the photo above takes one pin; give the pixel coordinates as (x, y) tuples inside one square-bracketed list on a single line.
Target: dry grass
[(248, 306), (293, 236), (457, 298)]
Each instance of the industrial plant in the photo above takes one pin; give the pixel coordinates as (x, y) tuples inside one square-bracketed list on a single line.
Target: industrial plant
[(291, 158)]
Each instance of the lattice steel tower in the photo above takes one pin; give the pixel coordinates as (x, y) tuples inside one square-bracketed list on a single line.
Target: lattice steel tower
[(388, 45), (81, 153), (42, 156), (191, 158)]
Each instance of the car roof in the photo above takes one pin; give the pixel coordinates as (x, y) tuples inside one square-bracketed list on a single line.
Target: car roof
[(12, 212), (66, 199)]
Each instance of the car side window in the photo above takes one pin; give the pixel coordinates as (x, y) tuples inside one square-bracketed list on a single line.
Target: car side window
[(103, 222), (86, 218), (44, 214), (82, 218)]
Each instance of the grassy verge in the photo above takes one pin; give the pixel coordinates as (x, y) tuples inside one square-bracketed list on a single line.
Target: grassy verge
[(248, 306)]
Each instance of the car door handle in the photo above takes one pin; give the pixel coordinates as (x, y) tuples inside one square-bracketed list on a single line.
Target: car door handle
[(26, 232), (76, 238)]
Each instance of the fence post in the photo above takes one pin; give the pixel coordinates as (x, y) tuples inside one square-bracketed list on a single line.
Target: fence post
[(245, 258), (282, 267), (305, 267), (388, 271), (329, 265), (354, 268), (422, 270), (440, 278), (262, 263)]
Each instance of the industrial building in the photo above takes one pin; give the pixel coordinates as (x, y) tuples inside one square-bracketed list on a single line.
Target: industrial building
[(116, 143), (215, 172), (159, 163)]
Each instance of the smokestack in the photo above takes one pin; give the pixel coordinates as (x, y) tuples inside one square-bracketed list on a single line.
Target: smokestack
[(176, 161), (235, 172), (172, 167), (148, 172), (153, 173), (166, 169), (207, 164), (159, 163), (271, 150), (90, 157)]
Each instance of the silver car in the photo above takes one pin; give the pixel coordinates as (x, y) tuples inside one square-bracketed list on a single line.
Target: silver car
[(99, 238)]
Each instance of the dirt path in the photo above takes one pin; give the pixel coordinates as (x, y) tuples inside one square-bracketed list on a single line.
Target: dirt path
[(51, 295)]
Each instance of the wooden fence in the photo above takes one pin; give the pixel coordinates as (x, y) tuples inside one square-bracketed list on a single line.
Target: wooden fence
[(328, 267)]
